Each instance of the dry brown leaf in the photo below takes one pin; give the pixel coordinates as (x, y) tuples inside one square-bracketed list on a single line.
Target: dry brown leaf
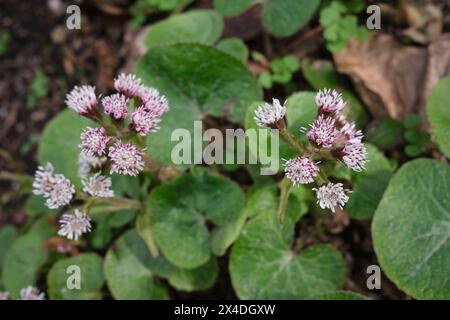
[(394, 79)]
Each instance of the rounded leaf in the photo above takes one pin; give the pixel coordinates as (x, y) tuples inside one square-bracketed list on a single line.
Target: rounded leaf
[(129, 269), (411, 229), (439, 114), (180, 209), (204, 26), (63, 276), (22, 263), (263, 266), (283, 18), (59, 143), (197, 80)]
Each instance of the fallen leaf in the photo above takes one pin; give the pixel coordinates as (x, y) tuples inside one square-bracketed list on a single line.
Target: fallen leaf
[(394, 79)]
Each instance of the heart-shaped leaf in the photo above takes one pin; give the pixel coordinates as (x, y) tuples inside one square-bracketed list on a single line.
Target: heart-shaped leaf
[(22, 263), (59, 143), (369, 185), (263, 266), (340, 295), (85, 270), (301, 111), (439, 114), (179, 212), (282, 18), (235, 47), (7, 236), (197, 80), (203, 26), (411, 229), (129, 270)]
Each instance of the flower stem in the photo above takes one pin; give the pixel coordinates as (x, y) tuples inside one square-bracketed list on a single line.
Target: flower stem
[(292, 141), (286, 189), (145, 232)]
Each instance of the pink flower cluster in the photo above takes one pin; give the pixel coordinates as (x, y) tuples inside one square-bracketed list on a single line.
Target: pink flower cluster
[(125, 158), (331, 131)]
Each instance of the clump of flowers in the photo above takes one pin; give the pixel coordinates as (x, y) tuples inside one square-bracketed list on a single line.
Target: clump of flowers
[(330, 136), (115, 145), (31, 293)]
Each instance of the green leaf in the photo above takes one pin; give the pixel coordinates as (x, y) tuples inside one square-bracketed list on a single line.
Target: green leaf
[(59, 143), (197, 80), (301, 111), (413, 150), (263, 266), (100, 236), (264, 198), (231, 8), (356, 111), (265, 80), (42, 228), (235, 47), (283, 18), (387, 134), (331, 13), (38, 89), (411, 229), (203, 26), (129, 270), (223, 236), (292, 63), (61, 276), (7, 236), (369, 185), (200, 278), (163, 5), (180, 209), (5, 41), (35, 206), (340, 295), (321, 74), (411, 120), (439, 114), (22, 262)]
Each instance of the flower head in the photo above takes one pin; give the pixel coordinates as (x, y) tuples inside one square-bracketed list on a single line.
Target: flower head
[(127, 84), (116, 105), (57, 189), (145, 121), (44, 180), (329, 101), (126, 159), (94, 141), (61, 193), (87, 163), (323, 131), (270, 114), (31, 293), (355, 156), (82, 99), (301, 170), (98, 186), (350, 134), (73, 225), (153, 101), (4, 295), (332, 195)]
